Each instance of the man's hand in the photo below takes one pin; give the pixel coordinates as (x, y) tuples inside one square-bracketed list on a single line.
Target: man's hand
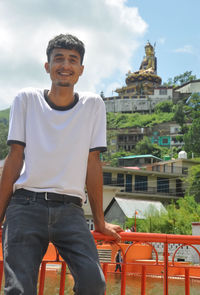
[(110, 230)]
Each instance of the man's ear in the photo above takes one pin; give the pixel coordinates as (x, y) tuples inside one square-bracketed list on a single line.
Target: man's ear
[(46, 66), (81, 70)]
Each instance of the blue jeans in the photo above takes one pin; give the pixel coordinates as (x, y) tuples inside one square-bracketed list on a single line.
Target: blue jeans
[(29, 227)]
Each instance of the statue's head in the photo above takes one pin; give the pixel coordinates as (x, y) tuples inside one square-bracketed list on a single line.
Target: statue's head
[(149, 50)]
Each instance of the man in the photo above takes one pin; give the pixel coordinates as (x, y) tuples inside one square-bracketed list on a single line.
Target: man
[(118, 261), (59, 134)]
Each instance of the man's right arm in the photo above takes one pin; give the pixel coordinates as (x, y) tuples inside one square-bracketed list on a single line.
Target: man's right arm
[(11, 172)]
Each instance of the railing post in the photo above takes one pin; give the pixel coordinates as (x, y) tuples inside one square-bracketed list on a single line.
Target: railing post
[(105, 272), (187, 281), (1, 273), (62, 279), (42, 278), (165, 279), (143, 280), (123, 278)]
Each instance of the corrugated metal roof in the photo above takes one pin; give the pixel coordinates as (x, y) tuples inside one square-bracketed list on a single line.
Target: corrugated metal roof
[(143, 207), (140, 156)]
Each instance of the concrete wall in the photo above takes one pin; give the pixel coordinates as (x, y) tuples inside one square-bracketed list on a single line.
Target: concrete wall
[(190, 87), (133, 105), (185, 253), (195, 232)]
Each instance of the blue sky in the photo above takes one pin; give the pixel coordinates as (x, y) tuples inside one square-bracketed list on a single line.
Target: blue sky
[(114, 32), (174, 26)]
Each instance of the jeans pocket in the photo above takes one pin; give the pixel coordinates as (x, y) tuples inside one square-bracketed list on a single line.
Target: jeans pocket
[(19, 201)]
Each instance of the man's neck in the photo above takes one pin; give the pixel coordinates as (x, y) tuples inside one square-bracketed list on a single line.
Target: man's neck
[(61, 96)]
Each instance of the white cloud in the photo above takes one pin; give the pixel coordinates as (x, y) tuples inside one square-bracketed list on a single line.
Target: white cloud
[(185, 49), (109, 29)]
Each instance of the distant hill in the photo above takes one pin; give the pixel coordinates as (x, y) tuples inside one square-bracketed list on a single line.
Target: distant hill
[(4, 116)]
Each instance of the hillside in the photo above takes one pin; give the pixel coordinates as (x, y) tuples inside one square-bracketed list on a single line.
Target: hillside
[(4, 115), (118, 120)]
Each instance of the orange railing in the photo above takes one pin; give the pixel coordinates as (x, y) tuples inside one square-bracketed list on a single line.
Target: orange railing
[(146, 238)]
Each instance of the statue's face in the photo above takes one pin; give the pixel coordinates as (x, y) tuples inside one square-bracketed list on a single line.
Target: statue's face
[(149, 51)]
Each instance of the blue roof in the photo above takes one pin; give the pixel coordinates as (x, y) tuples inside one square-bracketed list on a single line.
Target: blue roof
[(140, 156)]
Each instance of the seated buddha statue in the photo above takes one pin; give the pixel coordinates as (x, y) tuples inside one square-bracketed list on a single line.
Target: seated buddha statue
[(149, 61)]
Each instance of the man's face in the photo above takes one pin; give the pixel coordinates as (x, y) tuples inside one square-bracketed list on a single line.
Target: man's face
[(64, 67)]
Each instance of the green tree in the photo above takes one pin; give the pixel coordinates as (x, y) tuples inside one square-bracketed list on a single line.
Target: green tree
[(192, 138), (193, 182), (164, 107), (180, 79), (177, 219), (183, 78), (193, 107), (145, 147), (179, 113), (3, 140)]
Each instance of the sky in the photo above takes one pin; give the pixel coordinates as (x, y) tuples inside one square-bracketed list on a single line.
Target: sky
[(114, 32)]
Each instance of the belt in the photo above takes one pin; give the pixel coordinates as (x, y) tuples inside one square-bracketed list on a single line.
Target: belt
[(47, 196)]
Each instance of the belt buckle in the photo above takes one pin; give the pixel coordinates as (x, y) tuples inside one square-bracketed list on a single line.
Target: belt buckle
[(46, 196)]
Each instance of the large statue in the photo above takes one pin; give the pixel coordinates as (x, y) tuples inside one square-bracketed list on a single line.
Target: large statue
[(149, 62), (143, 81)]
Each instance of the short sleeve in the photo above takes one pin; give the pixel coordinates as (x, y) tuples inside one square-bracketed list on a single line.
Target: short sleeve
[(16, 133), (98, 139)]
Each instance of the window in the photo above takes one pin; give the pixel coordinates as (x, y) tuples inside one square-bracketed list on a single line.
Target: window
[(162, 185), (165, 140), (141, 183), (107, 178), (120, 138), (120, 179), (128, 183), (163, 91)]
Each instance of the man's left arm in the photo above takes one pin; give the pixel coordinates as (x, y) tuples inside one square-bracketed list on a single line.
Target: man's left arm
[(94, 183)]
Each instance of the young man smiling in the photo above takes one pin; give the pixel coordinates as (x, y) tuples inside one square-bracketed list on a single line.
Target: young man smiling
[(59, 134)]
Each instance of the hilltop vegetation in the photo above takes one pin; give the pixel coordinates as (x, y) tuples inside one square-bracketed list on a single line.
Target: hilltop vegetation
[(4, 115), (118, 120)]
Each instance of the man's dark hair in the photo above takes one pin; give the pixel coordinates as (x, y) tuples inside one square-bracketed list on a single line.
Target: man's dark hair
[(66, 41)]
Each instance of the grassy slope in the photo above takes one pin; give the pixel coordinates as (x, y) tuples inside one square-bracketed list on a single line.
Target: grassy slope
[(118, 120), (4, 114)]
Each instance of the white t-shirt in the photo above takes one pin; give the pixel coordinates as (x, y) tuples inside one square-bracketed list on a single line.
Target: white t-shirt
[(57, 140)]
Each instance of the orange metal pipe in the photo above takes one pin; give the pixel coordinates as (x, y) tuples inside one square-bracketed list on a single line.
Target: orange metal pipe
[(151, 237), (187, 281), (105, 272), (42, 278), (165, 281), (123, 277), (62, 279), (143, 280), (1, 273)]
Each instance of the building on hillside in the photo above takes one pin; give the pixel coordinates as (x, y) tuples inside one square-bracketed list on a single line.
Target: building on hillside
[(139, 103), (180, 165), (185, 90), (138, 184), (165, 135)]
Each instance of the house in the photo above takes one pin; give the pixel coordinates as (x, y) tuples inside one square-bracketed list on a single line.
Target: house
[(120, 209)]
